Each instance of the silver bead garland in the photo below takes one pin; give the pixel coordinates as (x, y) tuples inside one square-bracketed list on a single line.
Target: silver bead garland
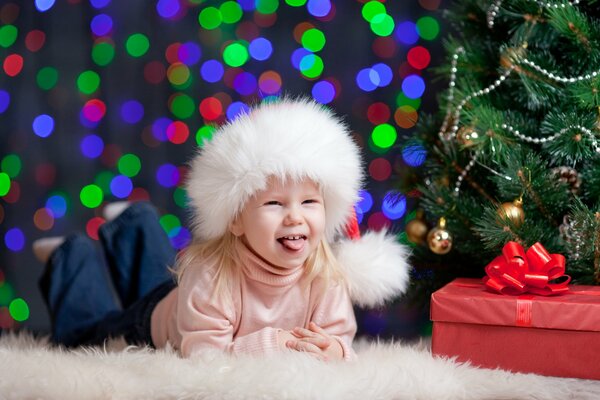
[(557, 78), (478, 93), (452, 84), (530, 139), (495, 7), (445, 136), (492, 12), (464, 173)]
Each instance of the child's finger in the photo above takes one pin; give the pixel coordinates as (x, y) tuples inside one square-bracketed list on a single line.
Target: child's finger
[(316, 328), (302, 332), (321, 342), (304, 346)]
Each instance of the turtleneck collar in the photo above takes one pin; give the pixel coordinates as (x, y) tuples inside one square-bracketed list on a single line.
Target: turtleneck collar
[(259, 270)]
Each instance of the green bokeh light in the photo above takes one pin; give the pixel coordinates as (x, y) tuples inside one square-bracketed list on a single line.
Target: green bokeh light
[(11, 165), (8, 35), (402, 100), (182, 106), (169, 222), (382, 25), (103, 180), (6, 293), (373, 8), (129, 165), (267, 6), (428, 28), (180, 197), (103, 53), (19, 310), (4, 183), (210, 18), (384, 136), (137, 45), (204, 134), (91, 196), (231, 12), (296, 3), (179, 75), (313, 39), (235, 54), (47, 78), (311, 66), (88, 82)]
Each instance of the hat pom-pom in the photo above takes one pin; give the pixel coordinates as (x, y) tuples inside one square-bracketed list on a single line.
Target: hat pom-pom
[(375, 266)]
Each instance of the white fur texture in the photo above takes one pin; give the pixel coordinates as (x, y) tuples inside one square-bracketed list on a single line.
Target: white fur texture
[(376, 267), (32, 370), (288, 139)]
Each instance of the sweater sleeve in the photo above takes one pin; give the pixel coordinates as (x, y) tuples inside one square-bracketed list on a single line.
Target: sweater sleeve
[(335, 314), (205, 322)]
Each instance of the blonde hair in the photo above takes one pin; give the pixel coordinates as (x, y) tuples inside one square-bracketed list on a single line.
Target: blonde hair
[(222, 255)]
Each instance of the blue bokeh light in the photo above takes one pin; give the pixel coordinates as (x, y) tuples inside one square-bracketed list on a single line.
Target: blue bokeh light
[(364, 79), (394, 205), (121, 186), (168, 175), (366, 201), (323, 92), (92, 146), (384, 73), (414, 154), (57, 205), (245, 83), (14, 239), (44, 5), (407, 33), (212, 71), (4, 100), (159, 128), (132, 111), (101, 24), (319, 8), (235, 109), (298, 55), (167, 8), (189, 53), (43, 125), (260, 49), (413, 86)]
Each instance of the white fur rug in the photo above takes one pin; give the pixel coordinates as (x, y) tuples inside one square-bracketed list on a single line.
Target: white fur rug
[(30, 369)]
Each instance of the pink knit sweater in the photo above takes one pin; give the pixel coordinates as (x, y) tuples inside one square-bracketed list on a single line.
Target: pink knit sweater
[(265, 301)]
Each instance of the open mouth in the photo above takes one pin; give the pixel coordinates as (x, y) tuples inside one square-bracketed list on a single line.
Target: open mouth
[(293, 242)]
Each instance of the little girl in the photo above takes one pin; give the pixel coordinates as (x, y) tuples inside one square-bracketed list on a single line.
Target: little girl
[(269, 194)]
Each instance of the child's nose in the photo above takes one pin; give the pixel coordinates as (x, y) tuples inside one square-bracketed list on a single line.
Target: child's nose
[(293, 216)]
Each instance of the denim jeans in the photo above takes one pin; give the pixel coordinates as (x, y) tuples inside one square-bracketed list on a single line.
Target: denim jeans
[(92, 296)]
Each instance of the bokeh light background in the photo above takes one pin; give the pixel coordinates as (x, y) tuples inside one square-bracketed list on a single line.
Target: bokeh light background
[(106, 100)]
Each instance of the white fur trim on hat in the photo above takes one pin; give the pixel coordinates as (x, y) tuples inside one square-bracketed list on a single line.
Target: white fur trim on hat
[(287, 139), (376, 267)]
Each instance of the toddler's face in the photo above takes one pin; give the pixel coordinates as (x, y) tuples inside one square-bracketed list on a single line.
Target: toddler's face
[(284, 223)]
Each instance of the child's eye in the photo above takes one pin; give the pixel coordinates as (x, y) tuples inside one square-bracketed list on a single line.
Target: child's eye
[(272, 203), (310, 201)]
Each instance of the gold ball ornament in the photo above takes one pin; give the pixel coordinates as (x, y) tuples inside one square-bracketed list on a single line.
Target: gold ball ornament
[(416, 230), (466, 136), (513, 211), (439, 239)]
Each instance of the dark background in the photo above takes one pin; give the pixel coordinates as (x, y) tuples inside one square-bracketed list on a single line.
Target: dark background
[(47, 173)]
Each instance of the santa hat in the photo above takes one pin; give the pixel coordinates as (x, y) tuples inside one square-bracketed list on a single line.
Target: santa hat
[(294, 139)]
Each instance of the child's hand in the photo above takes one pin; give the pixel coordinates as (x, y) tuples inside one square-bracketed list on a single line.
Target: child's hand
[(317, 342)]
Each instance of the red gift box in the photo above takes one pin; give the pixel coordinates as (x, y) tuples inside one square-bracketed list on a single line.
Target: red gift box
[(547, 335)]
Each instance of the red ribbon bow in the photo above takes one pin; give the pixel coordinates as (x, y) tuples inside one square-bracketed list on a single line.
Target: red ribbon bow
[(516, 271)]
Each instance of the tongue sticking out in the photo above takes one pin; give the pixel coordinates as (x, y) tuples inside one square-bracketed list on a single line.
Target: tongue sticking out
[(293, 244)]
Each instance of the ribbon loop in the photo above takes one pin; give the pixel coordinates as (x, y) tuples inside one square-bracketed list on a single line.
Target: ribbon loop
[(518, 271)]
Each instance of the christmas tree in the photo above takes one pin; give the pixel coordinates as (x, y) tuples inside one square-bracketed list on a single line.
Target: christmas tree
[(514, 152)]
